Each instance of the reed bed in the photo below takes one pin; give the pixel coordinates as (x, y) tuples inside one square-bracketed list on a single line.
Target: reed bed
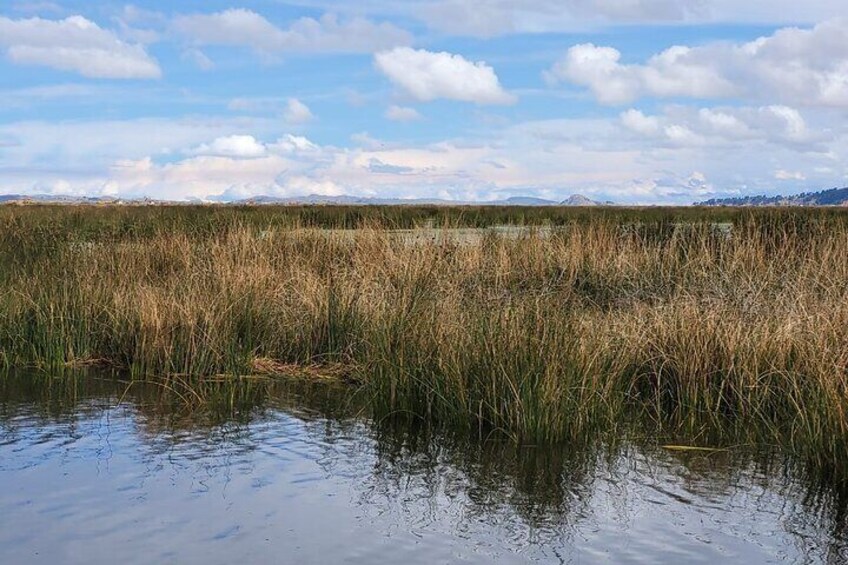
[(710, 331)]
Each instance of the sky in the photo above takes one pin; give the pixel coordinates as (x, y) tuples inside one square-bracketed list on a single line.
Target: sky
[(634, 101)]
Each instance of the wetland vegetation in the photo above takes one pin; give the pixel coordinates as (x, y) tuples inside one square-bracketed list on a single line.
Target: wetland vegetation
[(710, 327)]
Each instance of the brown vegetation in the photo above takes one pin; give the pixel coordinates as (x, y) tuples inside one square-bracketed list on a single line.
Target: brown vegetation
[(543, 336)]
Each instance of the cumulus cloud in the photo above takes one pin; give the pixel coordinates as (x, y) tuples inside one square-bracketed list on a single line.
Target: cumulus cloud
[(401, 114), (426, 76), (241, 27), (638, 122), (297, 112), (244, 146), (683, 125), (801, 66), (674, 72), (77, 45)]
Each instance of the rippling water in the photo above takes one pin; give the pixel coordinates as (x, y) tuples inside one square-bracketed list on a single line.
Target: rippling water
[(91, 472)]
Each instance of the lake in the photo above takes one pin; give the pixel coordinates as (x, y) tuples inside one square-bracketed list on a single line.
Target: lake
[(93, 470)]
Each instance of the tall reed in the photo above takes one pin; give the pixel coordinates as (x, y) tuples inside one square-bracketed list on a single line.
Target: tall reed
[(542, 335)]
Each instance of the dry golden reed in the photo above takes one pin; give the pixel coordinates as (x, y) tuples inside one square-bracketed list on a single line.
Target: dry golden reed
[(684, 322)]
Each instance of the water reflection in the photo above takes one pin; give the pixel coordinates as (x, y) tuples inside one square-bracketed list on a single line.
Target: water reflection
[(92, 470)]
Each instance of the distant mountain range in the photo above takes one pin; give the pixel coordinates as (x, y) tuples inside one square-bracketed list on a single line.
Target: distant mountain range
[(574, 200), (51, 198), (832, 197)]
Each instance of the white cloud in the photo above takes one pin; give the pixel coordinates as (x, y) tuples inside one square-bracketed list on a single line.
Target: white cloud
[(240, 27), (235, 167), (231, 27), (800, 66), (670, 73), (238, 146), (426, 76), (518, 160), (291, 144), (678, 156), (90, 145), (196, 177), (139, 25), (683, 125), (297, 112), (402, 114), (486, 18), (640, 123), (75, 44)]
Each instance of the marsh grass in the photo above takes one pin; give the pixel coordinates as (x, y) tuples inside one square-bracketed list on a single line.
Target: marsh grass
[(671, 318)]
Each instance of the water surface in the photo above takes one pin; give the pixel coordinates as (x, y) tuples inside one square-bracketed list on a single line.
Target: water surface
[(92, 471)]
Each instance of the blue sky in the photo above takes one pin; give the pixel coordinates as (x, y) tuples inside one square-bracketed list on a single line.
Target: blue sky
[(636, 101)]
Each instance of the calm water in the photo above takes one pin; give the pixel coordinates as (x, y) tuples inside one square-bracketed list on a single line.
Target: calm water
[(91, 472)]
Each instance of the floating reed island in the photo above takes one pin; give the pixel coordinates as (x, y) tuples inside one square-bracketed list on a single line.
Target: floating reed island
[(712, 323)]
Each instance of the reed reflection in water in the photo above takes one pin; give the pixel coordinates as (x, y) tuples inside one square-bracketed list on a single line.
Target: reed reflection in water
[(93, 471)]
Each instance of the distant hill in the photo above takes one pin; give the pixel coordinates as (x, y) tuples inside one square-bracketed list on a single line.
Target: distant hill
[(832, 197), (580, 200)]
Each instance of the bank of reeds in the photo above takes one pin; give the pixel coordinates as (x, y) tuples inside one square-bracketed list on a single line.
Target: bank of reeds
[(538, 335)]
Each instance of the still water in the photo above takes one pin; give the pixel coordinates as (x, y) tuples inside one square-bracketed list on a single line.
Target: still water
[(92, 471)]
